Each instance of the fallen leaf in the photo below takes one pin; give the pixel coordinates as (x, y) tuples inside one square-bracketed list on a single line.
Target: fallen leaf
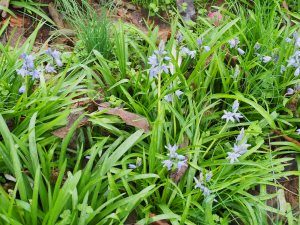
[(4, 4), (62, 132), (57, 18), (178, 174), (139, 18), (16, 22), (129, 118)]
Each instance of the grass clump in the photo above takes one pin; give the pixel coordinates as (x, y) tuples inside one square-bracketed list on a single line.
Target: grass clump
[(92, 27)]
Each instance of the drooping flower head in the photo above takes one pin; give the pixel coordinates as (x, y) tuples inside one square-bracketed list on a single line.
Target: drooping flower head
[(56, 55)]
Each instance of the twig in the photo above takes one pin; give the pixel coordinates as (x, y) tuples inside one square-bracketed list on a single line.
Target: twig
[(287, 138)]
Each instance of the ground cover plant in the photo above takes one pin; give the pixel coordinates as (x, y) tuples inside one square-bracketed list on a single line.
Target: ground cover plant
[(129, 128)]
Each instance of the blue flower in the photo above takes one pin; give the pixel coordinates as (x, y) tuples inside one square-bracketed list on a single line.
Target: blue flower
[(257, 46), (56, 55), (199, 184), (200, 41), (206, 48), (22, 89), (35, 74), (23, 72), (241, 51), (181, 164), (233, 157), (239, 148), (266, 59), (50, 69), (131, 166), (28, 61), (178, 93), (233, 43), (168, 163), (186, 51), (233, 116), (153, 61), (172, 150), (168, 98)]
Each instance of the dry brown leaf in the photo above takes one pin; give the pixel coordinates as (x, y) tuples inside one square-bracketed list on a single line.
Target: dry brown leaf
[(159, 222), (16, 22), (62, 132), (178, 174), (139, 18), (57, 18), (129, 118), (4, 4)]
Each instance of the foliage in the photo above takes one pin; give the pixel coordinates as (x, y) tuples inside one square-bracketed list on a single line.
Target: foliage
[(208, 92)]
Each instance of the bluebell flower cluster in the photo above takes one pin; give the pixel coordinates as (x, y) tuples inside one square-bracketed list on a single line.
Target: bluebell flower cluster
[(28, 67), (294, 61), (158, 61), (234, 44), (240, 147), (175, 161), (200, 183), (56, 56)]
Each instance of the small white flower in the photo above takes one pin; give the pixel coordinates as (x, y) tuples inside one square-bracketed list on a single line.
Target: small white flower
[(237, 116), (172, 150), (241, 51), (288, 40), (282, 69), (241, 148), (168, 98), (206, 48), (208, 176), (235, 106), (178, 93), (228, 116), (297, 72), (233, 42), (153, 61), (10, 177), (241, 135), (297, 42), (257, 46), (233, 157), (198, 182), (266, 59), (186, 51), (168, 163), (132, 166), (298, 131), (181, 164), (236, 72), (181, 157), (290, 91), (22, 89)]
